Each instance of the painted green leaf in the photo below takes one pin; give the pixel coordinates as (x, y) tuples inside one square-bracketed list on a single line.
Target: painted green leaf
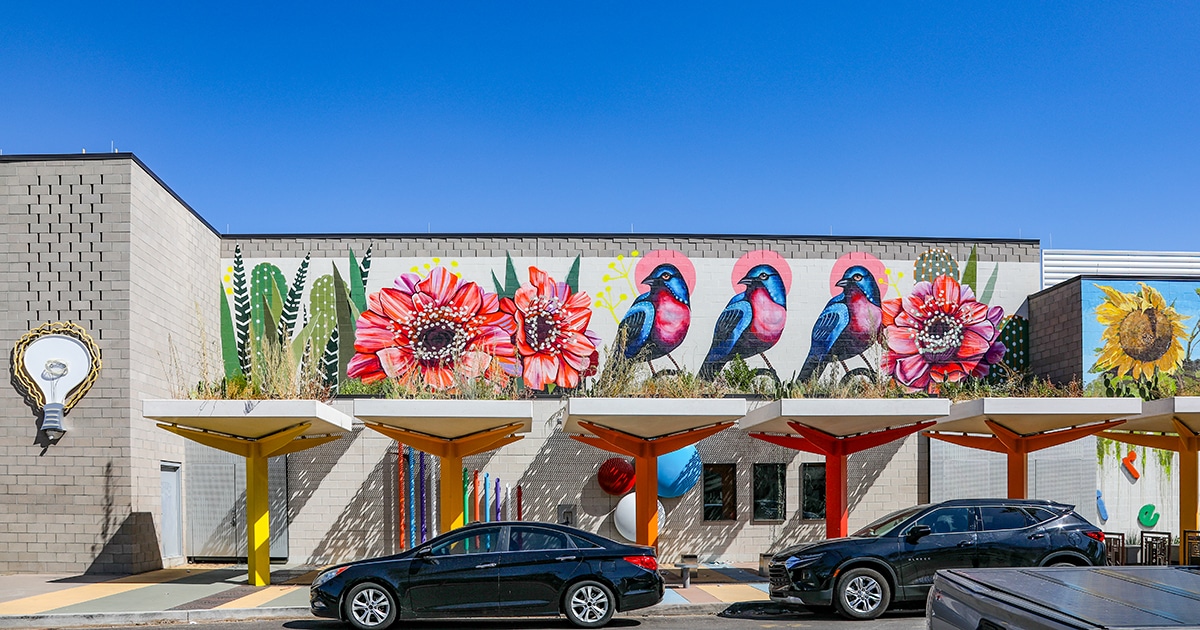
[(573, 276), (991, 285), (345, 323), (329, 360), (275, 312), (291, 306), (499, 287), (365, 269), (229, 347), (241, 310), (270, 333), (358, 292), (970, 271)]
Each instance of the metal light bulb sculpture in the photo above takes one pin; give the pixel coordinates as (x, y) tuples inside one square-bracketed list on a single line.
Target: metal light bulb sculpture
[(54, 365)]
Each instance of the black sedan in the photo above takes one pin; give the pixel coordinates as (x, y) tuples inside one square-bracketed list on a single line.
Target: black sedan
[(501, 569), (895, 558)]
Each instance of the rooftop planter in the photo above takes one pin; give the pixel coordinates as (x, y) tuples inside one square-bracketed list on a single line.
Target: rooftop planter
[(446, 418), (249, 419)]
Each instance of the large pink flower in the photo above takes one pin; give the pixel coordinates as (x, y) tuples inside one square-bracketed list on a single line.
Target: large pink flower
[(940, 334), (433, 328), (553, 341)]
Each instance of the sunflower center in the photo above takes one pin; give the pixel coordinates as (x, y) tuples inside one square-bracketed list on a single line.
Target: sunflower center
[(942, 334), (1145, 335), (439, 335), (542, 325)]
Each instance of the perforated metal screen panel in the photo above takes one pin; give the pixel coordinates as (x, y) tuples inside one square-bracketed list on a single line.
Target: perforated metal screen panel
[(215, 487)]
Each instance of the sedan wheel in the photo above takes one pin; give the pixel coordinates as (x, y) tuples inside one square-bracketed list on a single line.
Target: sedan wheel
[(862, 593), (588, 604), (370, 606)]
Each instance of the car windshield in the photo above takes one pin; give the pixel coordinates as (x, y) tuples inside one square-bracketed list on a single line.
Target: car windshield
[(888, 523)]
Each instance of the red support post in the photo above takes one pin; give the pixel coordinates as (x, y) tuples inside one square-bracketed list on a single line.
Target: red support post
[(837, 508)]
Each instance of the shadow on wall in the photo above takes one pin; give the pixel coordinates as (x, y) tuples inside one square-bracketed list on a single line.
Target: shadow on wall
[(308, 468), (132, 548), (367, 526)]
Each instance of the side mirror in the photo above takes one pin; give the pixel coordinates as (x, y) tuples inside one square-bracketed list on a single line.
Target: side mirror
[(424, 553), (916, 532)]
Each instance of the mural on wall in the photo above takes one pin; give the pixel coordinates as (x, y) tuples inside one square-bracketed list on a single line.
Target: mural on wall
[(1141, 336), (658, 320), (851, 322), (754, 319), (437, 323)]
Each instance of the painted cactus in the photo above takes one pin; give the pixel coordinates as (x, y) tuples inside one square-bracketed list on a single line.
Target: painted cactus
[(933, 263)]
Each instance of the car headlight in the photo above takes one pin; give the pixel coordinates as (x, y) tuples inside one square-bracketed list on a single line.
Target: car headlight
[(327, 575), (796, 562)]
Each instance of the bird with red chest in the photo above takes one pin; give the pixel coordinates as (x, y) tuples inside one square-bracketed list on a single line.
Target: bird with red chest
[(658, 320), (751, 323), (848, 325)]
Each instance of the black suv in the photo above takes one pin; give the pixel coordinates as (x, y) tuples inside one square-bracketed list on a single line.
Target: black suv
[(894, 559)]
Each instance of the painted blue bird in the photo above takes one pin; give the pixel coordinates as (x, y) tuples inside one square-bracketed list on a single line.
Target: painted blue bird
[(751, 323), (848, 325), (658, 319)]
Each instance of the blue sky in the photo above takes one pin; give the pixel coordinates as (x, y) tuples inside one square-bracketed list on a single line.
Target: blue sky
[(1073, 122)]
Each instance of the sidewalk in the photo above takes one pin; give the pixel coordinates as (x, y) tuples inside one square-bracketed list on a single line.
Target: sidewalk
[(220, 592)]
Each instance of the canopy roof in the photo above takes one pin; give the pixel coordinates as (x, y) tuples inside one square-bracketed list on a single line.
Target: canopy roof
[(1158, 415), (249, 419), (650, 418), (1034, 416), (449, 419), (843, 417)]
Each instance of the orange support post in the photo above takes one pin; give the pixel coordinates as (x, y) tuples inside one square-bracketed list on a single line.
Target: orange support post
[(1187, 443), (1018, 447), (837, 450), (451, 452), (645, 452)]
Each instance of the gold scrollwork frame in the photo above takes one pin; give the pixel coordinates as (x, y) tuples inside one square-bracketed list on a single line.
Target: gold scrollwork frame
[(24, 382)]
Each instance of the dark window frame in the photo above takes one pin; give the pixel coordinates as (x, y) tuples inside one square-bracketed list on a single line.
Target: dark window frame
[(728, 487), (804, 496), (780, 495)]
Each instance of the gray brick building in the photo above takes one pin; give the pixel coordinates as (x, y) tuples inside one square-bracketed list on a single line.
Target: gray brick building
[(101, 241)]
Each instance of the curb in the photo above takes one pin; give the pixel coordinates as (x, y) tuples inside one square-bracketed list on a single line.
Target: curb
[(96, 620)]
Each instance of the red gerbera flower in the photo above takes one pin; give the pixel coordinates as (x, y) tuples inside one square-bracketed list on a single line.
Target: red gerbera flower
[(552, 336), (940, 334), (436, 326)]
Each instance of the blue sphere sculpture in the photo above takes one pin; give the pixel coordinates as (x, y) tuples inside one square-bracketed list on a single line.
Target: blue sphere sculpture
[(678, 471)]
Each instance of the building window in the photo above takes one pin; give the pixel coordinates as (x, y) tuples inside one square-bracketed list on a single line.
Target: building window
[(720, 492), (812, 491), (770, 503)]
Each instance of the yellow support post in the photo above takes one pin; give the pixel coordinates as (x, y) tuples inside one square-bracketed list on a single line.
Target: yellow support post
[(258, 522)]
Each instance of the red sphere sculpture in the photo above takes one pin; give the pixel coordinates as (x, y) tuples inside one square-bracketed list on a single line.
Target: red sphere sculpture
[(616, 476)]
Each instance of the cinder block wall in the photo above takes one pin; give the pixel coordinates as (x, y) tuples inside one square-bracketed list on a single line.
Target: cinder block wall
[(1056, 332), (74, 229)]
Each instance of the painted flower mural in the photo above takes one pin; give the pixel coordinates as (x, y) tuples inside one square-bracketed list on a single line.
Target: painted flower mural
[(940, 334), (1142, 333), (432, 328), (552, 339)]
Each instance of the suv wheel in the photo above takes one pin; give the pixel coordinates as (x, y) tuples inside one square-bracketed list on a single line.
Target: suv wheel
[(862, 593)]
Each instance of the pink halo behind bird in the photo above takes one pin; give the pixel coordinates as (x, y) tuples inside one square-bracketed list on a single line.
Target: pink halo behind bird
[(647, 263), (761, 257), (873, 264)]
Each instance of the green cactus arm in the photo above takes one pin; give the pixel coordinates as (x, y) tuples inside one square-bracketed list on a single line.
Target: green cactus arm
[(229, 346)]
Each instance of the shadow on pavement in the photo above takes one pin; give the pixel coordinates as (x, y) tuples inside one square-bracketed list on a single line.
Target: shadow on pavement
[(521, 623), (774, 610)]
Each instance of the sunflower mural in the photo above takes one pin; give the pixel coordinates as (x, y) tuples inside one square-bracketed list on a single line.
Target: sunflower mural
[(1143, 335)]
